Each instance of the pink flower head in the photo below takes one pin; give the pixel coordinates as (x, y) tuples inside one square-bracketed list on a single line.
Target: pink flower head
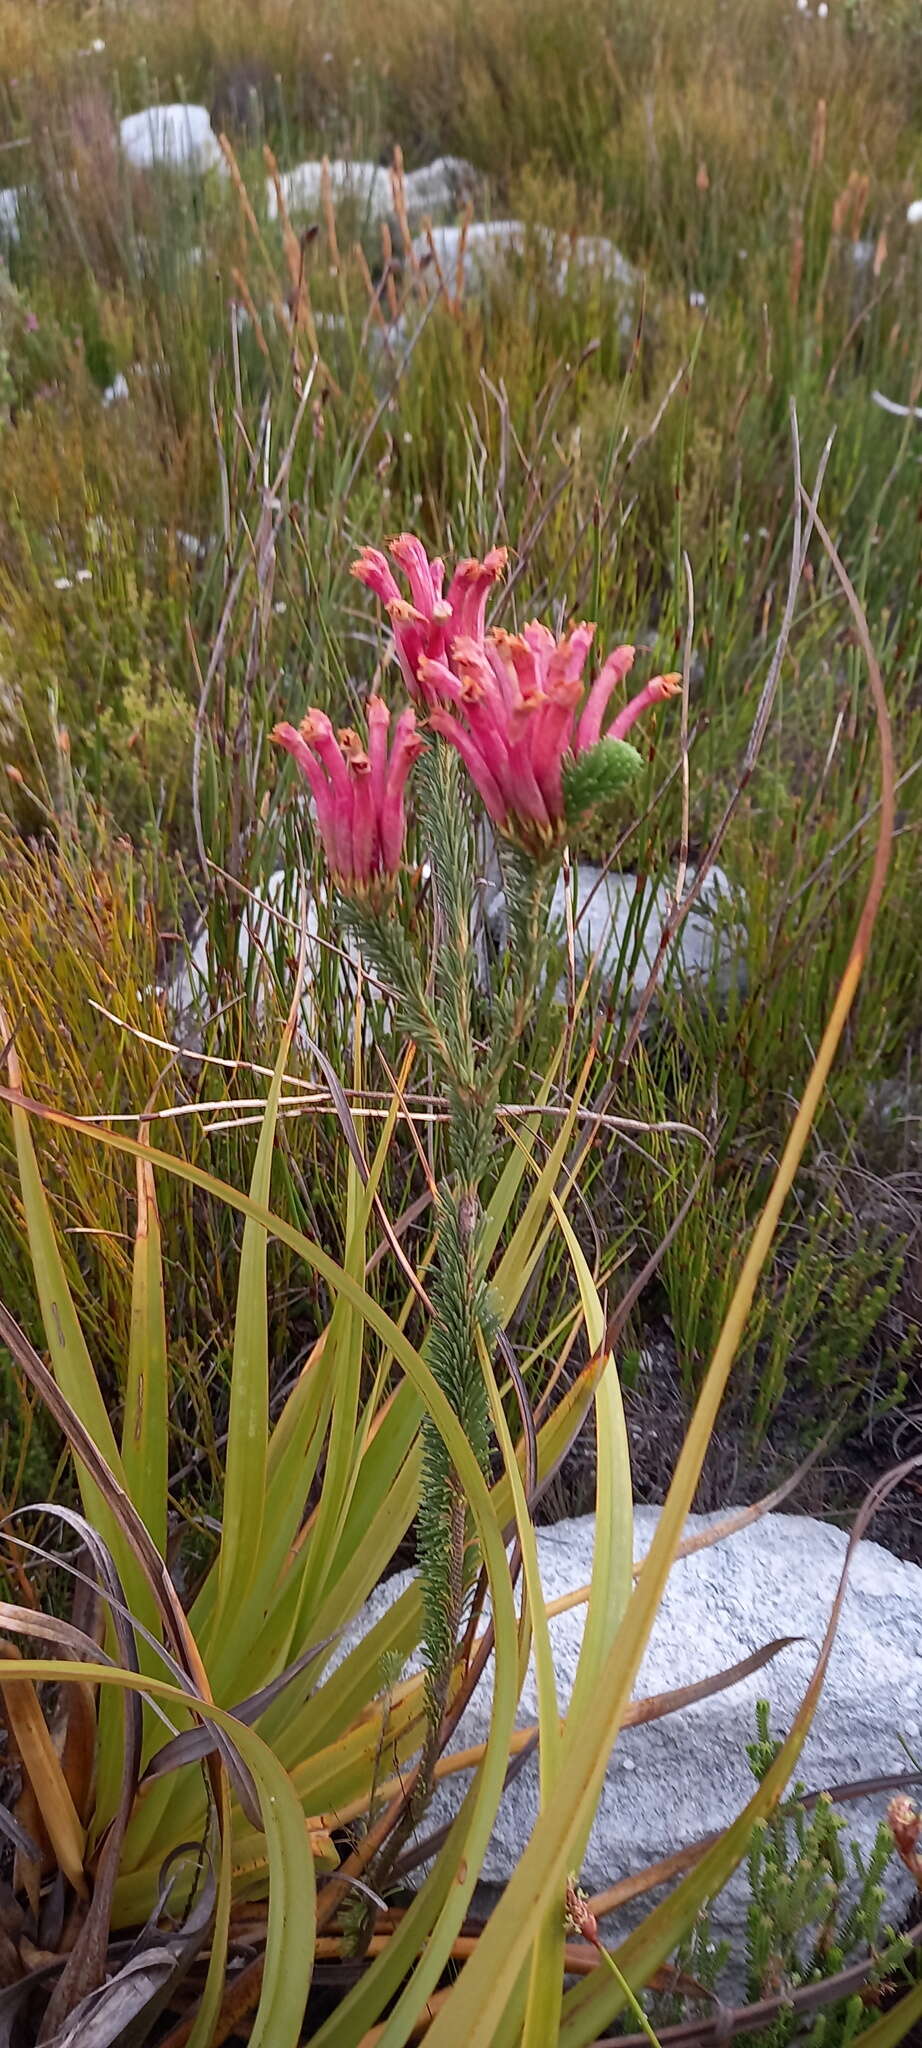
[(427, 624), (358, 792), (514, 707)]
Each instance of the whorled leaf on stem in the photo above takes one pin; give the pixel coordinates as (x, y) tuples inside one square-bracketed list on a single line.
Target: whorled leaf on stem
[(461, 1304)]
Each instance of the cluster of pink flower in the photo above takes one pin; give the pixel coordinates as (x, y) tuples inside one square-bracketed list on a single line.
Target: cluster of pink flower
[(513, 705)]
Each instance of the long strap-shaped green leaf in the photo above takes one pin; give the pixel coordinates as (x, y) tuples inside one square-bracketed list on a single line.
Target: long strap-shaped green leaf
[(73, 1369), (613, 1551), (294, 1451), (524, 1247), (477, 2001), (70, 1358), (492, 1769), (475, 2006), (291, 1918), (145, 1422), (361, 2006), (612, 1581), (145, 1431), (248, 1420)]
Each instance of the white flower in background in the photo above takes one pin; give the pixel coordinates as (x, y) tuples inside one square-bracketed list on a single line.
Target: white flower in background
[(822, 11), (914, 213), (84, 575), (98, 45), (63, 583), (697, 300), (117, 390)]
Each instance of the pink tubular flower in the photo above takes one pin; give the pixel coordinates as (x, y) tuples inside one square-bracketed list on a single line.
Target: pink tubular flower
[(426, 625), (510, 706), (358, 794)]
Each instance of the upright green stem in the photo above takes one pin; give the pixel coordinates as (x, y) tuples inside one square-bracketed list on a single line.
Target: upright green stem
[(443, 1017)]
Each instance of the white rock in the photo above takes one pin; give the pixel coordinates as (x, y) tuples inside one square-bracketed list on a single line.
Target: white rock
[(269, 929), (615, 918), (366, 184), (676, 1779), (437, 187), (483, 247), (486, 249), (179, 135), (617, 924), (191, 544), (11, 198), (116, 391), (593, 255), (444, 184), (189, 990)]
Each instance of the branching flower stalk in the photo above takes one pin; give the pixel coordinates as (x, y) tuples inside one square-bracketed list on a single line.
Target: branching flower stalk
[(513, 712)]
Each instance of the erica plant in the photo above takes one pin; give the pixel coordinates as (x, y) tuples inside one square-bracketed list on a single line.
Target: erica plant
[(508, 719)]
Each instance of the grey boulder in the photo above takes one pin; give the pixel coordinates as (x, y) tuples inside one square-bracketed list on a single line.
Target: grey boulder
[(483, 250), (366, 184), (443, 186), (617, 923), (673, 1780), (439, 187), (11, 199), (179, 135)]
